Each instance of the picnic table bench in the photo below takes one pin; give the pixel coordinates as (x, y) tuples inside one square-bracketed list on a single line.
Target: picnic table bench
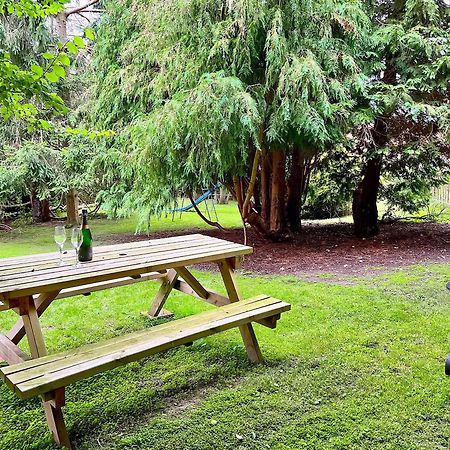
[(29, 285)]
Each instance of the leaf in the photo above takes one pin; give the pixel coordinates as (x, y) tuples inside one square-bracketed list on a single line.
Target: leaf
[(52, 77), (64, 59), (78, 42), (58, 70), (48, 55), (71, 47), (38, 70), (89, 32)]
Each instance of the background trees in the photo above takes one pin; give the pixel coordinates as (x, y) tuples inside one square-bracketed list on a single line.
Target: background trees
[(287, 103), (247, 93), (406, 134), (34, 162)]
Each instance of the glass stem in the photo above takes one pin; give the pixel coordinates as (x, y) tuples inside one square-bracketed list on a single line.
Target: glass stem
[(60, 255)]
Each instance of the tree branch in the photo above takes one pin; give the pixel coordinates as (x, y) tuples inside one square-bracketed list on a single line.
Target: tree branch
[(80, 8), (251, 185), (209, 222)]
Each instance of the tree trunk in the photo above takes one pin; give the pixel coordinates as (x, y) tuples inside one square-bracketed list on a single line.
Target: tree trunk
[(72, 203), (295, 187), (364, 207), (223, 196), (61, 26), (365, 211), (40, 209), (265, 187), (278, 192)]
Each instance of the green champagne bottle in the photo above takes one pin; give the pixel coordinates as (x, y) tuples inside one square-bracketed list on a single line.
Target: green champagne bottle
[(85, 253)]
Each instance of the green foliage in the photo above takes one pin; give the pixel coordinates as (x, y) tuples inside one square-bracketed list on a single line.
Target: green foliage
[(410, 176), (33, 168), (27, 89), (196, 85)]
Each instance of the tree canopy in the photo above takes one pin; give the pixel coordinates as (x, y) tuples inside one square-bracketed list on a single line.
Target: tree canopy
[(205, 90)]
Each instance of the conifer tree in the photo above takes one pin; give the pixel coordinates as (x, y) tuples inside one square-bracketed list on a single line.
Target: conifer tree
[(406, 111), (242, 92)]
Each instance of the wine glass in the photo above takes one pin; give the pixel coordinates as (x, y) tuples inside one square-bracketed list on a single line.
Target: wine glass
[(77, 240), (60, 238)]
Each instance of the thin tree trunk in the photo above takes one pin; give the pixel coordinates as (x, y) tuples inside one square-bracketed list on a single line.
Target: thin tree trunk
[(265, 187), (61, 25), (296, 185), (72, 203), (223, 196), (278, 192), (365, 212)]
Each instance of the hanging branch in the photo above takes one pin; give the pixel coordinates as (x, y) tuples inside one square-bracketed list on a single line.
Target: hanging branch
[(251, 185), (209, 222)]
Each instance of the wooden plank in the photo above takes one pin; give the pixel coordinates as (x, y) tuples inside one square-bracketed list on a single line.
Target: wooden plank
[(10, 353), (220, 300), (99, 264), (32, 327), (120, 356), (110, 251), (56, 425), (35, 267), (42, 302), (107, 248), (94, 287), (247, 332), (57, 398), (24, 371), (34, 368), (213, 297), (114, 272), (192, 282), (134, 351), (95, 266), (163, 293)]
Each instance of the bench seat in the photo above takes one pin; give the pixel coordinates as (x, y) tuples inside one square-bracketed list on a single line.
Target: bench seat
[(50, 373)]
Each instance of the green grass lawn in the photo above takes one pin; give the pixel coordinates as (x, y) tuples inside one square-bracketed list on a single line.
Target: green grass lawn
[(26, 239), (350, 367)]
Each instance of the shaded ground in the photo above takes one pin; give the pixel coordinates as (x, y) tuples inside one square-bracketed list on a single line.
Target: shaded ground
[(333, 249)]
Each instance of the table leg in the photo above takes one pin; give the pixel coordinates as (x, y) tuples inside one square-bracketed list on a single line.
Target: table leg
[(10, 353), (166, 288), (42, 302), (33, 331), (248, 334)]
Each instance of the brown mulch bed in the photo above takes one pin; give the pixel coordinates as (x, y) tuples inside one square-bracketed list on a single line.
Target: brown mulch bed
[(333, 249)]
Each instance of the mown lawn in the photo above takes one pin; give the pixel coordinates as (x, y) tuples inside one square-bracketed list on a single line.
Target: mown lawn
[(350, 367), (26, 239)]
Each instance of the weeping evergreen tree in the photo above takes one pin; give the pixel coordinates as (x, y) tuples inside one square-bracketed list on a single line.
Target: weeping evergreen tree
[(406, 114), (242, 92)]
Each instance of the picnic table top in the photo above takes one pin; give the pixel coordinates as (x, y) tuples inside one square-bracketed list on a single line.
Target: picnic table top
[(40, 273)]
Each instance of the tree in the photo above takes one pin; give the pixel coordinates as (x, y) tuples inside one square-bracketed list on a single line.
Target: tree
[(33, 170), (406, 110), (32, 63), (72, 199), (245, 92)]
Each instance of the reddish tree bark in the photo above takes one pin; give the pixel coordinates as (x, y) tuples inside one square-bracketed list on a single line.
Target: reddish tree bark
[(278, 192)]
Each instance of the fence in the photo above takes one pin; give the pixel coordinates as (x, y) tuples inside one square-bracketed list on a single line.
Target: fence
[(442, 194)]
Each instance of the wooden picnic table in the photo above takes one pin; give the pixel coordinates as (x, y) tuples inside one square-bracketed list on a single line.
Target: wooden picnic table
[(30, 284)]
